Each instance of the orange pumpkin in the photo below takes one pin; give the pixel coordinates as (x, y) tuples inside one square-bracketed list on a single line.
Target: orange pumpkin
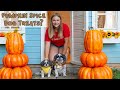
[(104, 72), (14, 43), (93, 41), (15, 60), (16, 73), (93, 60)]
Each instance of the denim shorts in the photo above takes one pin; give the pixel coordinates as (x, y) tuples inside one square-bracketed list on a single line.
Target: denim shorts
[(57, 46)]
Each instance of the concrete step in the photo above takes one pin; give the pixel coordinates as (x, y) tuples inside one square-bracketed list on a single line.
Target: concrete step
[(72, 71), (69, 76)]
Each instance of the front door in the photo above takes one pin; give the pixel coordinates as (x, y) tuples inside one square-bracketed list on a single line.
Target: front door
[(66, 18)]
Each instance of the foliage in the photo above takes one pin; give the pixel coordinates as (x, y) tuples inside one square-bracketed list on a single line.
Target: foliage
[(116, 73)]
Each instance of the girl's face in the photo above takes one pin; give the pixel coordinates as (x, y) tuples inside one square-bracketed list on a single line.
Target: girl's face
[(56, 21)]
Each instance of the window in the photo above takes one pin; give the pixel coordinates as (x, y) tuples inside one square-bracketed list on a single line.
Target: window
[(6, 29), (108, 22), (105, 20)]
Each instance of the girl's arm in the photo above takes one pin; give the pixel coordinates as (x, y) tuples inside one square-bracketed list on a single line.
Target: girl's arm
[(47, 48)]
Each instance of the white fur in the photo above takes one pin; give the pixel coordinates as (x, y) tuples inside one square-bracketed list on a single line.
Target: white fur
[(61, 70), (60, 65)]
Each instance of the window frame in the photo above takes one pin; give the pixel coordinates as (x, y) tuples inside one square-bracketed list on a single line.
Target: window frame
[(94, 21), (94, 24)]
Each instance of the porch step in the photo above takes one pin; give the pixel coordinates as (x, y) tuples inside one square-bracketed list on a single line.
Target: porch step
[(72, 71), (69, 76)]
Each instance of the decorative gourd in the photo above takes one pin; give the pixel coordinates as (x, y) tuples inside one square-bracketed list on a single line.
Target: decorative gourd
[(93, 60), (93, 41), (14, 43), (104, 72), (15, 60), (16, 73)]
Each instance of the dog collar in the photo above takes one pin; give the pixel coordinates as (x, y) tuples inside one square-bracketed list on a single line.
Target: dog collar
[(46, 69)]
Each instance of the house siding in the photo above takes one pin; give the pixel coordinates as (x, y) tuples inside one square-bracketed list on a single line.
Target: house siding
[(31, 46), (111, 50), (78, 34)]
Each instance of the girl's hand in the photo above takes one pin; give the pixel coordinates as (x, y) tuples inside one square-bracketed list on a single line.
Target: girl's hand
[(45, 58)]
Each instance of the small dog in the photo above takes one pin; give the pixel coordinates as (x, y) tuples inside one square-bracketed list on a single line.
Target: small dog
[(45, 68), (60, 65)]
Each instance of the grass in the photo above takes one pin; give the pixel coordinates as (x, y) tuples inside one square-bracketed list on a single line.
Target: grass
[(116, 73)]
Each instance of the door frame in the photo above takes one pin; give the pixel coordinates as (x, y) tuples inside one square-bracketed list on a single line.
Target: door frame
[(71, 42), (86, 13)]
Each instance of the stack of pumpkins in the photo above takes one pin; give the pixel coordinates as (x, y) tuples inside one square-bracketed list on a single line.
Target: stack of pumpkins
[(15, 62), (94, 60)]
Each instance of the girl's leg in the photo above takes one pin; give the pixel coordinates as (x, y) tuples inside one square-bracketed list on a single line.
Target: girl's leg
[(53, 52), (61, 50)]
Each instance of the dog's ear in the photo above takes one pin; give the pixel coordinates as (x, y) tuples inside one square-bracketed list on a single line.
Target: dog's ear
[(55, 57), (64, 57), (42, 63)]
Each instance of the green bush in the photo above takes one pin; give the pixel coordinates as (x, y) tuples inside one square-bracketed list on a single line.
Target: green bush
[(116, 73)]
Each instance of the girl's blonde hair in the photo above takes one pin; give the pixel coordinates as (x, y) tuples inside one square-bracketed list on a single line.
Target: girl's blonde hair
[(51, 29)]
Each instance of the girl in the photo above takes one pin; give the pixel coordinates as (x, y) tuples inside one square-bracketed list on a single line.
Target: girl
[(56, 37)]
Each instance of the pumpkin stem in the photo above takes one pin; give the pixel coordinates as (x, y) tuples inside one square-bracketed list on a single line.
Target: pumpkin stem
[(16, 30), (90, 28), (22, 34)]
